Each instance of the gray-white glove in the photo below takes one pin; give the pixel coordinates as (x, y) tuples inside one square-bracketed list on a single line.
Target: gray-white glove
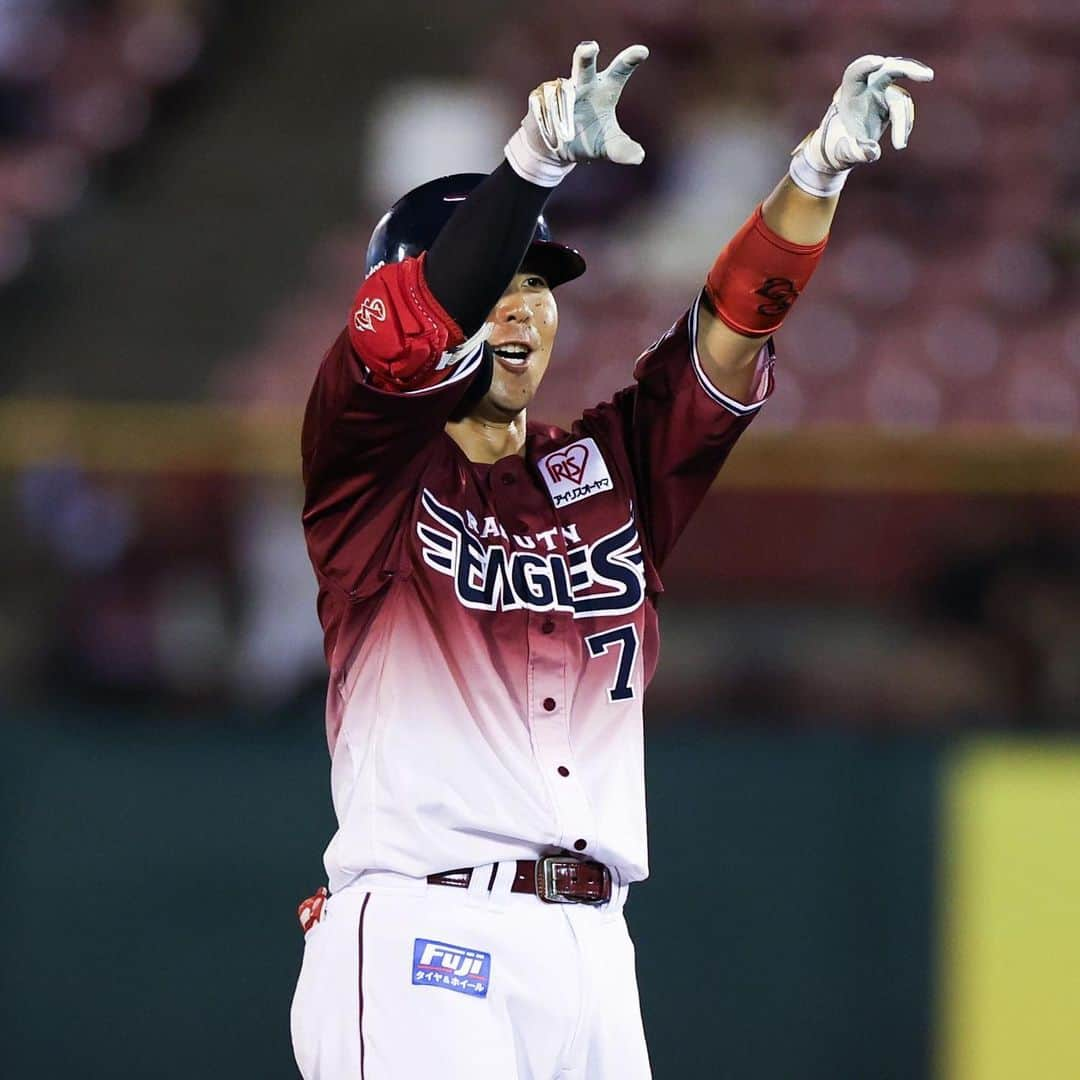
[(866, 103), (572, 120)]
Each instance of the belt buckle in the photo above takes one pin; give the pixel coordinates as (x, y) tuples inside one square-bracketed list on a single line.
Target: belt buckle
[(545, 881)]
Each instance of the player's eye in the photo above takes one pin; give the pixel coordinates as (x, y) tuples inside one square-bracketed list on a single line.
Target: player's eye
[(535, 281)]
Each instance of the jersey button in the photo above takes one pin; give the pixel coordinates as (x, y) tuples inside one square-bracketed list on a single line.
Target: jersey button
[(549, 704), (548, 626), (580, 845), (563, 770), (507, 478)]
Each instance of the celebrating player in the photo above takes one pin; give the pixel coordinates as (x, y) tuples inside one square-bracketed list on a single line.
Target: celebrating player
[(487, 587)]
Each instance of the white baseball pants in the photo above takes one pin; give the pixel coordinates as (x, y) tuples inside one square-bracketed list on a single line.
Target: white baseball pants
[(402, 980)]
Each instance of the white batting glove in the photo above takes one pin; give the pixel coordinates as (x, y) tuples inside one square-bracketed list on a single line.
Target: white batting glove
[(572, 120), (866, 103)]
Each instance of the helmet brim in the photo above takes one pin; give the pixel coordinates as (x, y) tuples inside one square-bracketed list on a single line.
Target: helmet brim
[(556, 262)]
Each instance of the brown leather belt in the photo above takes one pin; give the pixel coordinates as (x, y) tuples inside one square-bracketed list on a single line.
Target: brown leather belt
[(556, 879)]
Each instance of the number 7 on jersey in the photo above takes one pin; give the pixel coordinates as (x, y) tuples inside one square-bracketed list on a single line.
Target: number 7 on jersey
[(625, 637)]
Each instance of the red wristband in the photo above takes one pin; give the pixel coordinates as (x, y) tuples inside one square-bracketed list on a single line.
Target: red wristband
[(758, 276)]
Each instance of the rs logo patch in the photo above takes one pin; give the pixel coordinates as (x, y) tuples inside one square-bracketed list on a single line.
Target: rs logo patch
[(575, 472), (568, 464), (451, 967)]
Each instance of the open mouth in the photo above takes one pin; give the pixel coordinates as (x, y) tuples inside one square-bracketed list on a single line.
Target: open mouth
[(513, 357)]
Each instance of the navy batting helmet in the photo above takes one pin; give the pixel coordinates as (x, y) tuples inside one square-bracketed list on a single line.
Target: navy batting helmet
[(412, 223)]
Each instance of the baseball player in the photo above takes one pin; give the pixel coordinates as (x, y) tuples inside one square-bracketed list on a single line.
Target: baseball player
[(488, 588)]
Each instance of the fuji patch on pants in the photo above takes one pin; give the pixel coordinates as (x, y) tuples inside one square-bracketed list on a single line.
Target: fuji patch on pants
[(451, 967)]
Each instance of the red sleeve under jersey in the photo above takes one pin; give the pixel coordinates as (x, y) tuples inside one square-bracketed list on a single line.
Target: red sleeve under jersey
[(361, 447), (675, 428)]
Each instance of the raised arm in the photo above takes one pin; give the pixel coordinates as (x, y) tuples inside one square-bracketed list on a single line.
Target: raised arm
[(435, 302), (767, 264)]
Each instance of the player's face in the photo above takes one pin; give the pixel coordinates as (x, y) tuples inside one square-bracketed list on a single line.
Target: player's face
[(524, 322)]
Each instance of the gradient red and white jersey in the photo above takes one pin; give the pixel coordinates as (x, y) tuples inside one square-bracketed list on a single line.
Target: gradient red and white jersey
[(490, 629)]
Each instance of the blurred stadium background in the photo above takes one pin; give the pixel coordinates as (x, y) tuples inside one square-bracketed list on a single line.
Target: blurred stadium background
[(864, 773)]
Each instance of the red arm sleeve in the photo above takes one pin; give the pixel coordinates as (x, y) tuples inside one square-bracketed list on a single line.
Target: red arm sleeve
[(676, 430)]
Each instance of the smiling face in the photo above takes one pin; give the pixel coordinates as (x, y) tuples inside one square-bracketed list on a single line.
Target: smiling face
[(524, 322)]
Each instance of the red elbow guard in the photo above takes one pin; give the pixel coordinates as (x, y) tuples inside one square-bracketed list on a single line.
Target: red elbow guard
[(758, 276), (399, 330)]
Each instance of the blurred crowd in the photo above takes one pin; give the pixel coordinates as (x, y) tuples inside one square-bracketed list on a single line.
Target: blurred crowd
[(979, 638), (947, 301), (79, 80)]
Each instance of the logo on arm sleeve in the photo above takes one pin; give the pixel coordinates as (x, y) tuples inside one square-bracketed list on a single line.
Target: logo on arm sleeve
[(575, 472), (371, 309)]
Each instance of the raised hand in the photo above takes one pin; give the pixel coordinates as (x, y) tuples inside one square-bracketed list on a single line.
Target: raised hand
[(595, 94), (867, 101), (572, 120)]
